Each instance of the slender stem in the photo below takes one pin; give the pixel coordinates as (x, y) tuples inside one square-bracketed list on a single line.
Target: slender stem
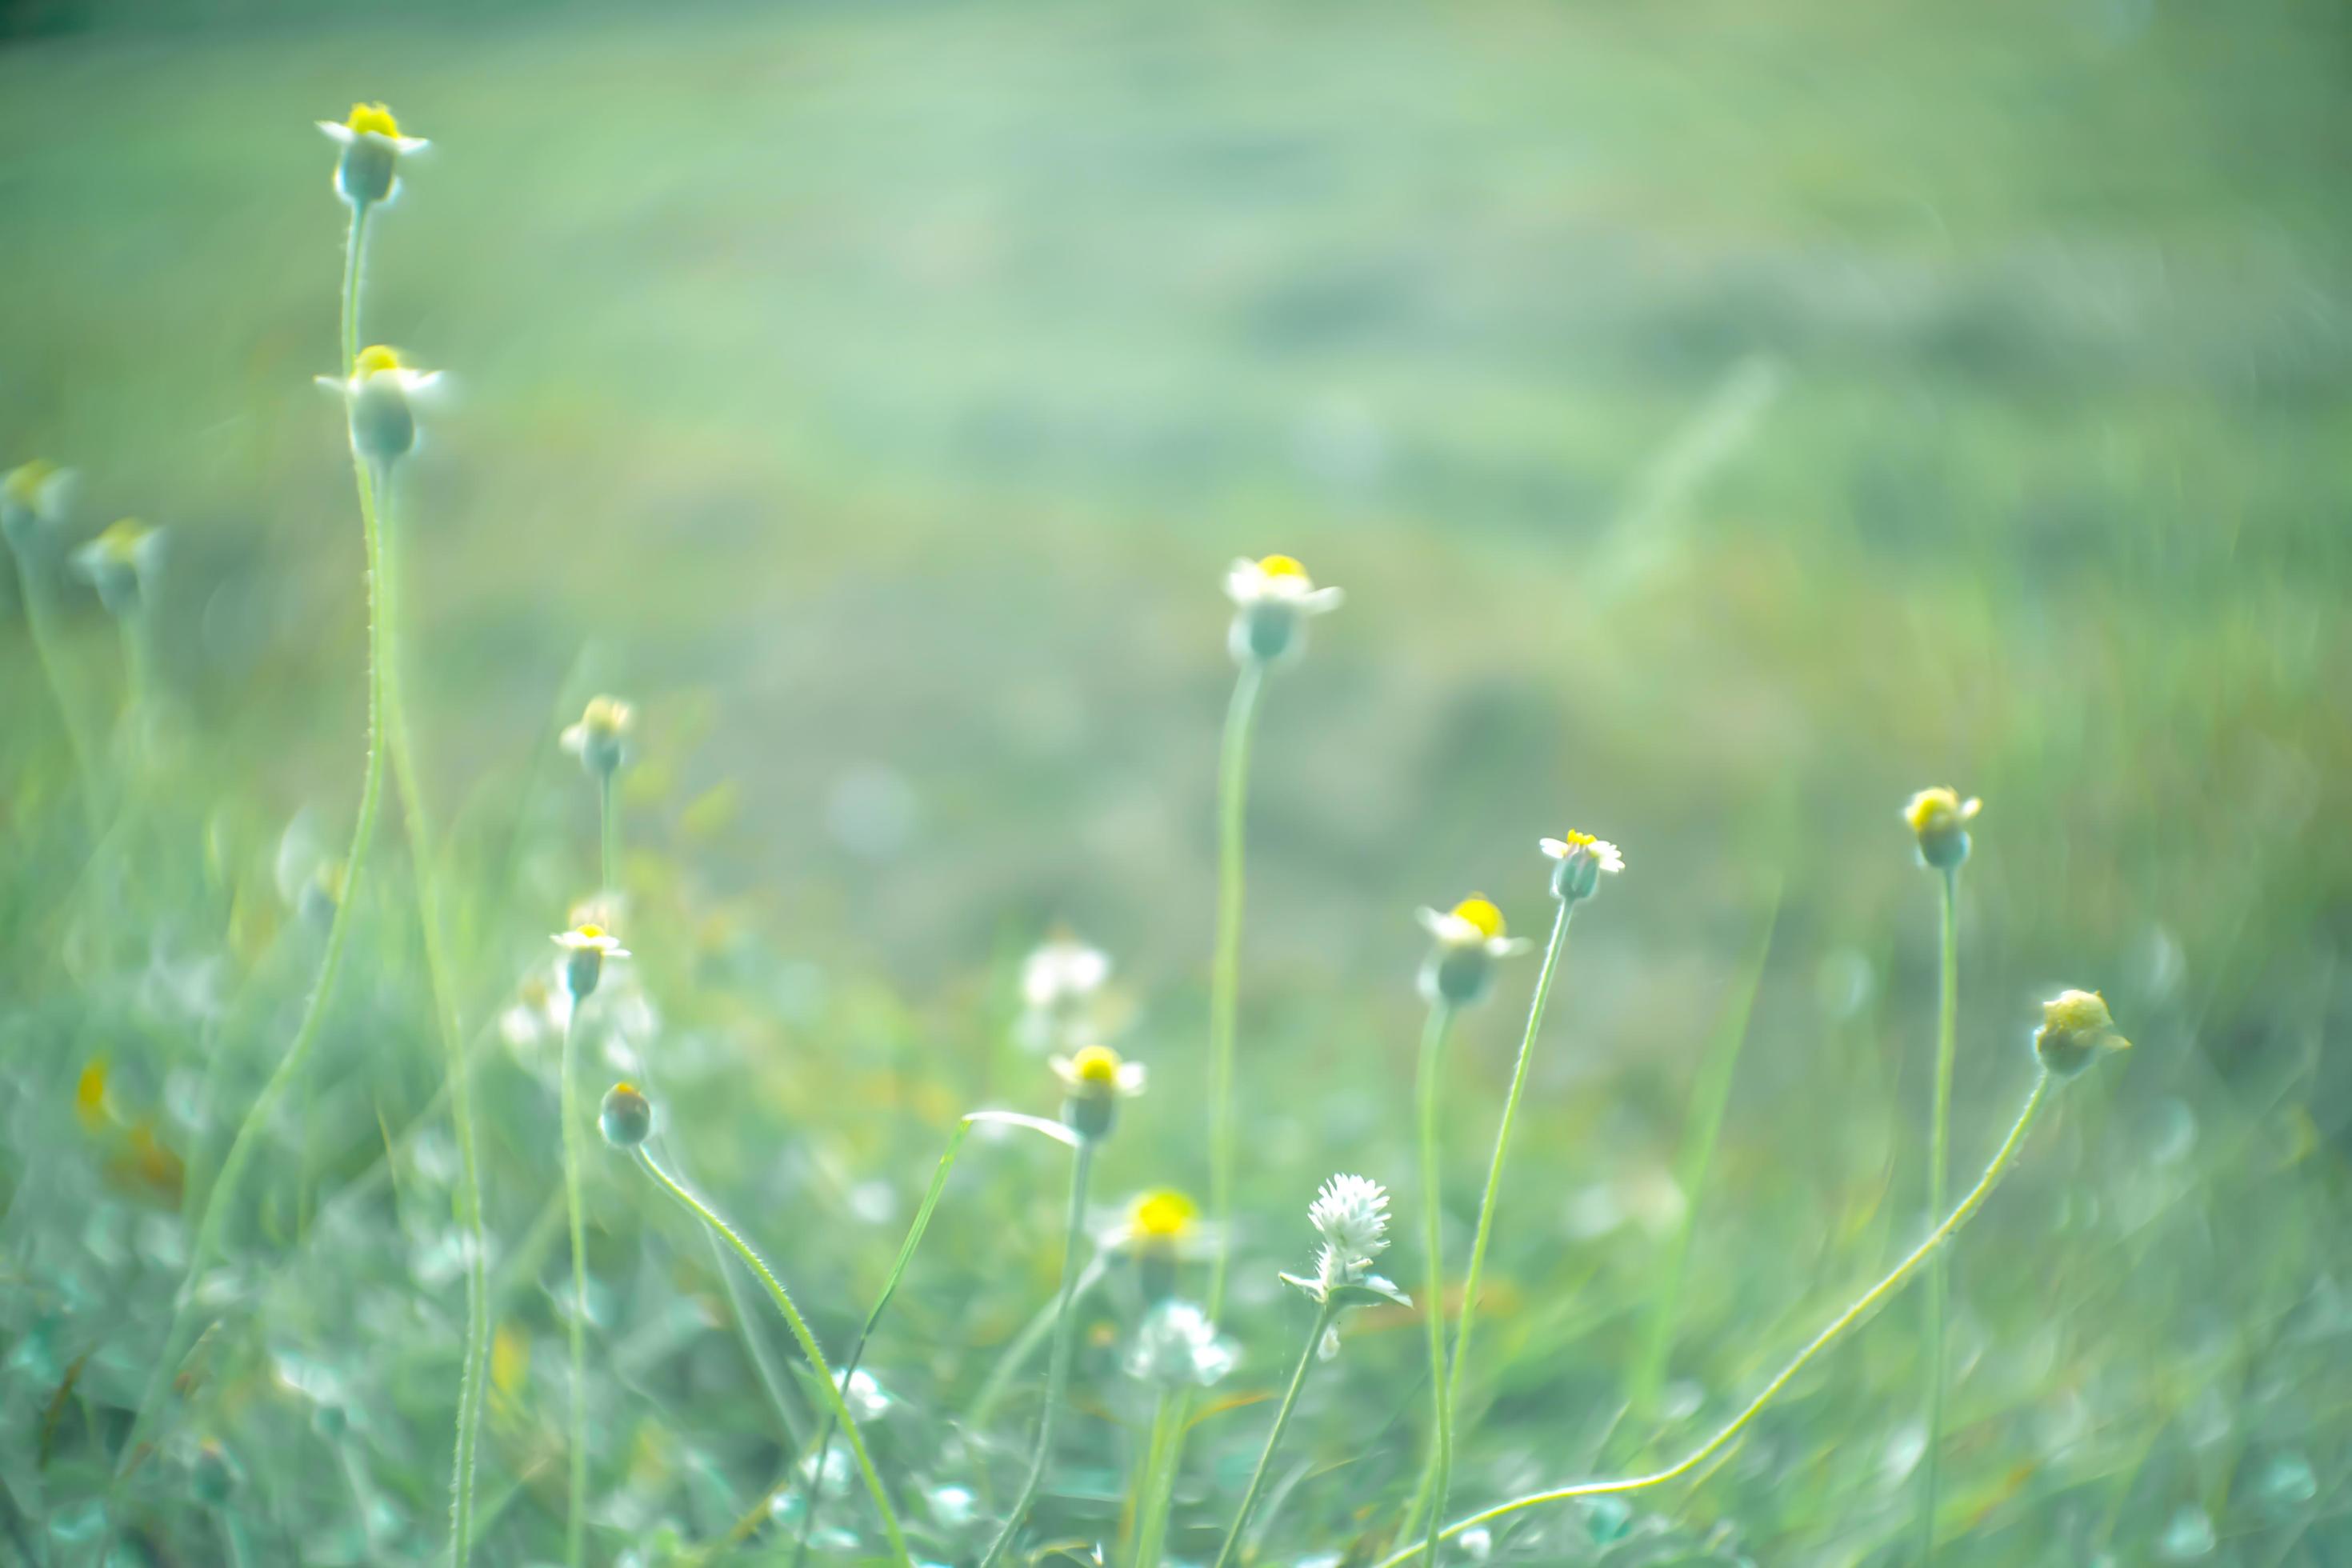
[(1225, 966), (1433, 1306), (352, 254), (1938, 1160), (575, 1518), (793, 1320), (1142, 1531), (1471, 1280), (1057, 1364), (32, 563), (306, 1034), (608, 823), (1323, 1315), (468, 1198), (1862, 1306)]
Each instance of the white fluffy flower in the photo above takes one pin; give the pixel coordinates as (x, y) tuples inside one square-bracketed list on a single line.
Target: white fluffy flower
[(1177, 1346), (1352, 1214), (1061, 971)]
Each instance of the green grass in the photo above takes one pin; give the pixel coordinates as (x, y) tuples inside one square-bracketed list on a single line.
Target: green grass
[(1724, 423)]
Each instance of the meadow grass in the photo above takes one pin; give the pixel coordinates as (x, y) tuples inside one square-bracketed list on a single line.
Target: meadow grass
[(1718, 439)]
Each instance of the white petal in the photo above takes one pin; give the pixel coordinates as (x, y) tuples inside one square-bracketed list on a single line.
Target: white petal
[(1322, 601), (1245, 582), (342, 134), (1555, 847)]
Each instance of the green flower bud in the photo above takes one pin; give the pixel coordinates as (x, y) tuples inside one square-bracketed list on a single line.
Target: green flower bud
[(627, 1117)]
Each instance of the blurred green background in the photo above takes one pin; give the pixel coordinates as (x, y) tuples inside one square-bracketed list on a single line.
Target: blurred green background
[(1724, 419)]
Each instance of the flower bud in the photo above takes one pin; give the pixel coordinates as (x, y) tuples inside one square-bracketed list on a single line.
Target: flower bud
[(372, 146), (1097, 1080), (213, 1476), (1581, 860), (585, 949), (1940, 818), (118, 564), (600, 738), (1272, 599), (1469, 938), (2076, 1029), (33, 497), (627, 1117)]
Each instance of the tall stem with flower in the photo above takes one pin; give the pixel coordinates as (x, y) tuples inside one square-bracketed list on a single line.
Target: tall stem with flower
[(33, 502), (1465, 942), (585, 949), (2076, 1030), (1939, 818), (1096, 1080), (1350, 1213)]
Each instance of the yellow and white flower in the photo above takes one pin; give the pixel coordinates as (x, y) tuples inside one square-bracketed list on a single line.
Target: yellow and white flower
[(33, 497), (2076, 1030), (377, 396), (1941, 819), (119, 562), (601, 738), (368, 172), (1096, 1078), (585, 948), (1272, 599), (1469, 938), (1583, 860)]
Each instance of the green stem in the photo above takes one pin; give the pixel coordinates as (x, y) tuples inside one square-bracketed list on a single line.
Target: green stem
[(1144, 1531), (1225, 967), (574, 1517), (1057, 1364), (468, 1199), (243, 1146), (1433, 1306), (351, 318), (1323, 1315), (31, 563), (1862, 1306), (608, 823), (793, 1320), (1939, 1159), (1471, 1280)]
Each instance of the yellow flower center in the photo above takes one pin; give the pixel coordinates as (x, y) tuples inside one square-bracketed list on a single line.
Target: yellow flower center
[(2077, 1012), (1096, 1063), (372, 120), (624, 1087), (26, 479), (1282, 567), (376, 358), (590, 933), (119, 542), (1933, 808), (1480, 912), (1576, 840), (1164, 1215)]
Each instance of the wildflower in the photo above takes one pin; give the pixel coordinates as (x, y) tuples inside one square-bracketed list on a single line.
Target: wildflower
[(377, 395), (1940, 818), (33, 497), (600, 738), (627, 1117), (1583, 858), (119, 562), (1063, 970), (1351, 1214), (2076, 1029), (1159, 1229), (1177, 1346), (586, 946), (1272, 599), (1469, 938), (1097, 1079), (372, 146)]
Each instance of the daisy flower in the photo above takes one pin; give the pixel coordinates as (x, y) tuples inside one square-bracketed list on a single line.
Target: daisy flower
[(373, 147), (1469, 938), (1272, 599), (1583, 860)]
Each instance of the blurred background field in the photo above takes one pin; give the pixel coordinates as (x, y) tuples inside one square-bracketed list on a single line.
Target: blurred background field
[(1723, 420)]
